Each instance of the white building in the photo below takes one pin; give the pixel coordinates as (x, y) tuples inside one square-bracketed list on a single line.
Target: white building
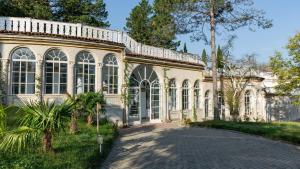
[(49, 59)]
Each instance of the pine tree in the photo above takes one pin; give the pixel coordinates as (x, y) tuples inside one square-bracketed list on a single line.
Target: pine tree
[(39, 9), (89, 12), (138, 22), (220, 58), (204, 56), (185, 48), (163, 25)]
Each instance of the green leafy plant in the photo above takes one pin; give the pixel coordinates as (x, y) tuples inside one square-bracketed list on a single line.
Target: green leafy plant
[(89, 102), (39, 121), (2, 120)]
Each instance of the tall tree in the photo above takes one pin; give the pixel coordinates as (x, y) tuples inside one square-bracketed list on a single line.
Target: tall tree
[(163, 27), (39, 9), (220, 58), (185, 48), (138, 22), (90, 12), (199, 17), (204, 56), (287, 69)]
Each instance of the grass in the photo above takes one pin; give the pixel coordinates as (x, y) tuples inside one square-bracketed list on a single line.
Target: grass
[(79, 151), (285, 131)]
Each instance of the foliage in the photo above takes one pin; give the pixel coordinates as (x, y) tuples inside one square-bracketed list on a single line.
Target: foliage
[(194, 16), (185, 48), (90, 12), (89, 101), (2, 120), (287, 69), (78, 151), (239, 76), (39, 119), (163, 26), (204, 56), (198, 17), (286, 131), (220, 58), (138, 22), (39, 9), (153, 25)]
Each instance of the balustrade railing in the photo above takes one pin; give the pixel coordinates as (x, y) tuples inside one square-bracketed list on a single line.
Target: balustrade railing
[(79, 30)]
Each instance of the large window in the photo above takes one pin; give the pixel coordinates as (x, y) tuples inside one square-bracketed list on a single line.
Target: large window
[(172, 95), (23, 71), (197, 94), (110, 74), (206, 103), (185, 95), (85, 73), (56, 72), (247, 102)]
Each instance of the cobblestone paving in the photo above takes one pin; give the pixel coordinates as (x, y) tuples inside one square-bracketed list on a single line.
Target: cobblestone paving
[(168, 146)]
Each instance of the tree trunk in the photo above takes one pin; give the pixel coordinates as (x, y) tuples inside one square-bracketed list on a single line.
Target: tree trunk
[(89, 120), (73, 124), (47, 141), (214, 59)]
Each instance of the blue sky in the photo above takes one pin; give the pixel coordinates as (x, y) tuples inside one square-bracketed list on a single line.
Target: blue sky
[(284, 13)]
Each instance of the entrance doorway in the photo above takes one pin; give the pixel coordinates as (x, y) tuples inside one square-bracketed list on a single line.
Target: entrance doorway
[(144, 92)]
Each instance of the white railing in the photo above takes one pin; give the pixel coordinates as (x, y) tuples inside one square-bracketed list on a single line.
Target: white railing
[(78, 30)]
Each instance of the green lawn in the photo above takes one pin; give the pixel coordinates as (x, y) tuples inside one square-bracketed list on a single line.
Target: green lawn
[(79, 151), (286, 131)]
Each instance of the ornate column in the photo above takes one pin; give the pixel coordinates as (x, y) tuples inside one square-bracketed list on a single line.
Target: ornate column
[(4, 78), (71, 76), (39, 80), (99, 67)]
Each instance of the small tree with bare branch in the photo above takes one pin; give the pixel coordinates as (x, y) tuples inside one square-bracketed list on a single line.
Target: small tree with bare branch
[(238, 75)]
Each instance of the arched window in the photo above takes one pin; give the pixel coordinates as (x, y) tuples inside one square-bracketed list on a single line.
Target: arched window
[(56, 72), (110, 74), (206, 103), (23, 71), (172, 95), (247, 102), (85, 72), (185, 95), (197, 94)]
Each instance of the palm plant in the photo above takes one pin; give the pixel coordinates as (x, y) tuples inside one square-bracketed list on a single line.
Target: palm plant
[(90, 100), (2, 120), (76, 105), (40, 121)]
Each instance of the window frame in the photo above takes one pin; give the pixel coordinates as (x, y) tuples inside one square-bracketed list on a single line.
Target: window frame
[(110, 70), (61, 55), (185, 95), (87, 60), (30, 59)]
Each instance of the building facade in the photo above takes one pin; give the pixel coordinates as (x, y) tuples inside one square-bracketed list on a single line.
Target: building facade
[(45, 60)]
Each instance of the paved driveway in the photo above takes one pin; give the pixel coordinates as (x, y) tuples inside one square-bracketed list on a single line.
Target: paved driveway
[(167, 146)]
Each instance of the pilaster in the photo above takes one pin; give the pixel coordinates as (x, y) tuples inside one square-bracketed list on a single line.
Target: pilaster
[(70, 78)]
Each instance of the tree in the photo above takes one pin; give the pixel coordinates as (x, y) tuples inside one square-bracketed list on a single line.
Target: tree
[(185, 48), (163, 27), (39, 120), (198, 17), (90, 100), (220, 58), (89, 12), (287, 69), (39, 9), (76, 106), (237, 76), (204, 56), (138, 23)]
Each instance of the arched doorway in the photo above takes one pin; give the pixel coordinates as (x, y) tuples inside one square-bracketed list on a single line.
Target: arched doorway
[(144, 93)]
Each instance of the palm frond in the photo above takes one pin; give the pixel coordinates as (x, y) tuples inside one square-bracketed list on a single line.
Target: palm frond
[(19, 139), (2, 120)]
